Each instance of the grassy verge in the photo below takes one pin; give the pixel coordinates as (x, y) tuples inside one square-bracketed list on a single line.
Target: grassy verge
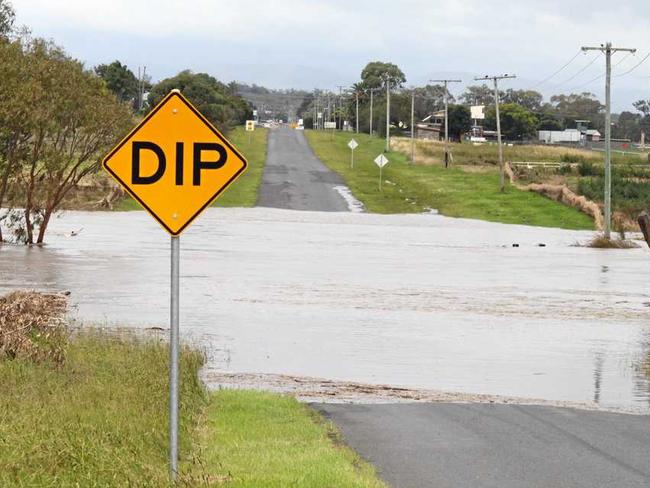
[(579, 169), (266, 440), (243, 192), (101, 420), (454, 192)]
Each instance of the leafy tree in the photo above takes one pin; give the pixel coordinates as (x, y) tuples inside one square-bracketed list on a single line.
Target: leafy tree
[(517, 122), (121, 81), (548, 119), (627, 126), (430, 98), (7, 18), (211, 97), (530, 99), (579, 106), (376, 73), (460, 121), (14, 125), (67, 121), (643, 106), (479, 95)]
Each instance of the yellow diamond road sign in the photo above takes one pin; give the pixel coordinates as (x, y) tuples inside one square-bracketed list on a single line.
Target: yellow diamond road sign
[(175, 163)]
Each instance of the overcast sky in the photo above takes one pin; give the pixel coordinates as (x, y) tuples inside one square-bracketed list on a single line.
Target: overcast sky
[(325, 43)]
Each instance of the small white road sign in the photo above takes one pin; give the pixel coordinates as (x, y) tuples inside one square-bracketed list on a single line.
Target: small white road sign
[(381, 160)]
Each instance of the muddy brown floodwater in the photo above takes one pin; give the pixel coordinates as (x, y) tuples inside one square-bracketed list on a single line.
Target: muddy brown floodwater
[(412, 301)]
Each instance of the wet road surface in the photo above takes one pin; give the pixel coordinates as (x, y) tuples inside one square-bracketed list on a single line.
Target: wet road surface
[(505, 446), (294, 178), (419, 301)]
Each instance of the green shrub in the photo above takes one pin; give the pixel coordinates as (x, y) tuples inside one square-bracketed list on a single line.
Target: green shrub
[(572, 158), (628, 196), (587, 168)]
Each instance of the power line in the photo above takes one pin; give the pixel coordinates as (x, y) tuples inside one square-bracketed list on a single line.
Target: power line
[(635, 66), (559, 70), (600, 77), (582, 69)]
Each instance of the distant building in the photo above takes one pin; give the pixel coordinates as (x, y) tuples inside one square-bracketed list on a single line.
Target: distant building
[(431, 126), (569, 136), (559, 136), (592, 135)]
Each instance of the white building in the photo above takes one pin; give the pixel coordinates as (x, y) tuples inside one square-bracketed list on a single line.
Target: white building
[(559, 136)]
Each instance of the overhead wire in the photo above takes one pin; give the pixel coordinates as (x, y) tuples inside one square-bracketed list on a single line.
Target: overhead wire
[(601, 76), (636, 65), (559, 70), (583, 69)]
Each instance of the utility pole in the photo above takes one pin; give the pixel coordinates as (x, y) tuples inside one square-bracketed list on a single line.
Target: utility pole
[(371, 92), (387, 114), (356, 93), (608, 50), (339, 113), (329, 110), (141, 79), (413, 126), (495, 79), (446, 98)]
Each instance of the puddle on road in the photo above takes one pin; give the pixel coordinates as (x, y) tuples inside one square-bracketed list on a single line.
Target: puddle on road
[(416, 301)]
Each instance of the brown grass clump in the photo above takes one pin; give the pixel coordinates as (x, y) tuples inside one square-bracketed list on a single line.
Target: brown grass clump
[(601, 242), (32, 326)]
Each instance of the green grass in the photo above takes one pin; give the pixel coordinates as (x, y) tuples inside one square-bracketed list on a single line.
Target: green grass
[(453, 192), (242, 192), (101, 420), (266, 440)]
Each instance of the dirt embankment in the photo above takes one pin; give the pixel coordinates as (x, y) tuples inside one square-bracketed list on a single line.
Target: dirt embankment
[(563, 194), (560, 193)]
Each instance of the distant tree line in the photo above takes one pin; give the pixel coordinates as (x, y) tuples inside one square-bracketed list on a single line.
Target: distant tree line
[(523, 112)]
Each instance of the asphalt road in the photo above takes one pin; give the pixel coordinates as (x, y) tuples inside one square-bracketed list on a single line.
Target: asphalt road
[(294, 178), (505, 446)]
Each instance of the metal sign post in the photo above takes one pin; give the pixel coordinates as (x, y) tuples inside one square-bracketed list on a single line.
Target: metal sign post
[(250, 127), (381, 161), (352, 145), (206, 163), (173, 357)]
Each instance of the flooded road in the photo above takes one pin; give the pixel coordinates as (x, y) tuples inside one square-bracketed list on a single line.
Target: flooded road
[(419, 301)]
